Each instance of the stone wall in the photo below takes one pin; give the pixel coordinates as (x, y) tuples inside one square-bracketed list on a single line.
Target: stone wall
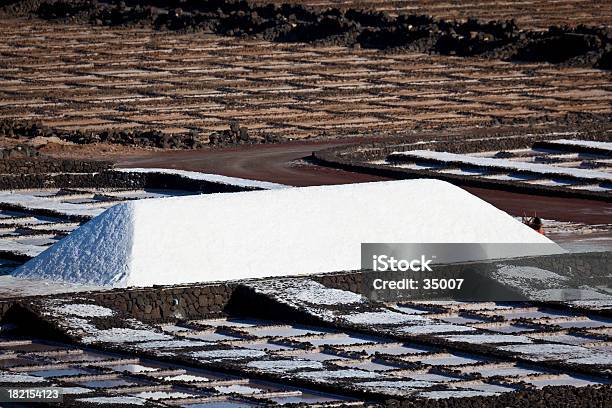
[(558, 397), (591, 269), (588, 265), (351, 281), (102, 178), (5, 305), (168, 303), (197, 301), (31, 165), (582, 149)]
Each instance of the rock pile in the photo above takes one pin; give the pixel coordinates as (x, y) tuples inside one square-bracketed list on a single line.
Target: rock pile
[(18, 152), (575, 46), (137, 137), (15, 129), (237, 134)]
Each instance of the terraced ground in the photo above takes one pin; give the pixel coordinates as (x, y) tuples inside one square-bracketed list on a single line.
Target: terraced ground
[(125, 78)]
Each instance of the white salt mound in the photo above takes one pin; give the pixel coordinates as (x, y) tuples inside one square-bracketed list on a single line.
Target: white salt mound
[(268, 233)]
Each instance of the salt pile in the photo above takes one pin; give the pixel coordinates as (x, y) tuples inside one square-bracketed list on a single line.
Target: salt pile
[(267, 233)]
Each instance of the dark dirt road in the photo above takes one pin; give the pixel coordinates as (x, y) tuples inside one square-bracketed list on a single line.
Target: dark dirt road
[(281, 164), (277, 163)]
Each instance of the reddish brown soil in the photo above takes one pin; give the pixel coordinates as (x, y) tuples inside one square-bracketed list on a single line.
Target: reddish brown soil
[(280, 164), (555, 208), (275, 163)]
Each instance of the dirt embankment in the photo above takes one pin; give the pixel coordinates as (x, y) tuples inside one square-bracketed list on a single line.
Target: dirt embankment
[(579, 46)]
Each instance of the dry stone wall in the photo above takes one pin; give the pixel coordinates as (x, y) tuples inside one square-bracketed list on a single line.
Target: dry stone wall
[(26, 166)]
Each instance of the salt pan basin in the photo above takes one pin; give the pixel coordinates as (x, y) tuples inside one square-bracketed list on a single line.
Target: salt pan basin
[(218, 237)]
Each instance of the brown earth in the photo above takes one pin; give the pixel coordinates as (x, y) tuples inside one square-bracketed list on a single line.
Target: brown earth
[(93, 79)]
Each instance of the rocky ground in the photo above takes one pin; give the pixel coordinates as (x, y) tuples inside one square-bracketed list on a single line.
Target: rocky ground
[(533, 14), (581, 45)]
